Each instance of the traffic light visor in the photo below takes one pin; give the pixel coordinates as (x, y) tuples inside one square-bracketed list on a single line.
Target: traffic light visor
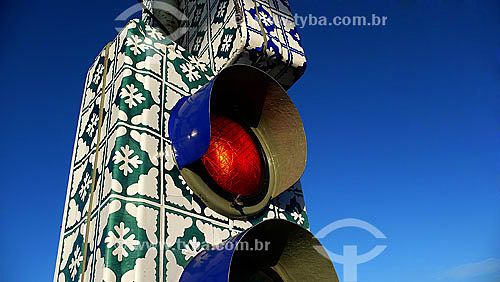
[(254, 100), (274, 250)]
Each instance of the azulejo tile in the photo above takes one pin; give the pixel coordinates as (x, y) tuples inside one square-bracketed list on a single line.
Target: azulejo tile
[(142, 207)]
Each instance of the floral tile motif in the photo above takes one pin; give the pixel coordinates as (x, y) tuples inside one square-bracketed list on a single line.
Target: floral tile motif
[(146, 223), (261, 33)]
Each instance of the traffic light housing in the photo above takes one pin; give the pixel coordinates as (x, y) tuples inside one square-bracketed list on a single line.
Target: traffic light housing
[(131, 213), (274, 250), (254, 99)]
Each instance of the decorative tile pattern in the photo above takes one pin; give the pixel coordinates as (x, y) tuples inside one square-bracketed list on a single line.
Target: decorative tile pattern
[(145, 224), (261, 33)]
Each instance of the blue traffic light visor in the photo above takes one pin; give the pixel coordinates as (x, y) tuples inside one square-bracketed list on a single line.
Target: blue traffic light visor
[(189, 126), (273, 250)]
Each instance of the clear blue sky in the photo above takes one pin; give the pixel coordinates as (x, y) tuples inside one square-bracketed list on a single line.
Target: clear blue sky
[(402, 124)]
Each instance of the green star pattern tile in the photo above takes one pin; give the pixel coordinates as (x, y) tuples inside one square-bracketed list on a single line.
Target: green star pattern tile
[(146, 223)]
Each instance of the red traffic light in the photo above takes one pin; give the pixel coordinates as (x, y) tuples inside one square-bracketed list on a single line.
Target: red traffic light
[(233, 159), (237, 163)]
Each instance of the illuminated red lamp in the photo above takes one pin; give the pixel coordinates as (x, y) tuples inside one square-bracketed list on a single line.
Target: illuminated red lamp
[(233, 159)]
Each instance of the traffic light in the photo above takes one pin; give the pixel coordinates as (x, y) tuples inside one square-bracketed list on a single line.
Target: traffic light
[(239, 141), (284, 254), (181, 151)]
